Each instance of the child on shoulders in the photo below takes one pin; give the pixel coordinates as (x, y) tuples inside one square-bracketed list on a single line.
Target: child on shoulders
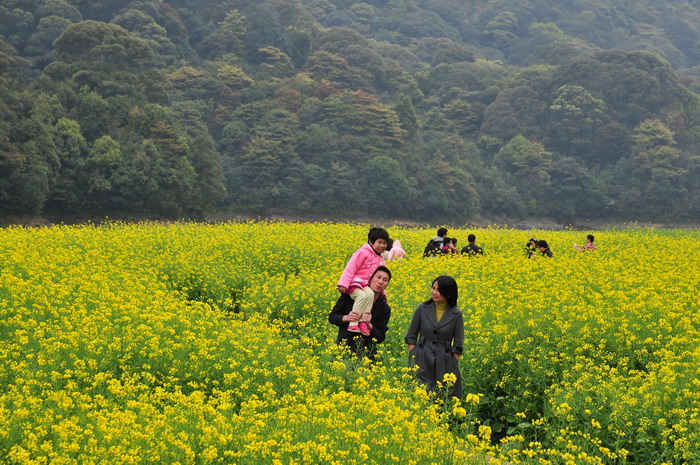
[(355, 278)]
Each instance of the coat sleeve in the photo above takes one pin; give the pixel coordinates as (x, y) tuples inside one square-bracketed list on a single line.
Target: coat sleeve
[(341, 308), (458, 346), (413, 329), (380, 321), (351, 268)]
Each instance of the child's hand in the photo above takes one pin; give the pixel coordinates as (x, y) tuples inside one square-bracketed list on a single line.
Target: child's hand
[(342, 289)]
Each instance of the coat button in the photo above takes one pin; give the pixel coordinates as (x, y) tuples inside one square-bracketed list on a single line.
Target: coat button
[(434, 343), (435, 331)]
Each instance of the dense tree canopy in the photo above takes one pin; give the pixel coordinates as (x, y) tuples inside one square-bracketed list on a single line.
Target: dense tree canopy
[(432, 109)]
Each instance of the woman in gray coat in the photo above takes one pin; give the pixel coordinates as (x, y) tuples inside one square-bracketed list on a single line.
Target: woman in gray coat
[(436, 336)]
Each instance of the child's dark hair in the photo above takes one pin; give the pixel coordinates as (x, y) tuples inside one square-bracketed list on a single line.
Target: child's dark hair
[(377, 233), (448, 289), (591, 237)]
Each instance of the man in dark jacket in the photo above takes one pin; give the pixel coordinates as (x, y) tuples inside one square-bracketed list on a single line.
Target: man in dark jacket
[(434, 247), (544, 249), (377, 320), (472, 248)]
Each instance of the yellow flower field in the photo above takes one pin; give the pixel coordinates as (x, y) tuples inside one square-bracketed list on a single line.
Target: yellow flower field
[(195, 343)]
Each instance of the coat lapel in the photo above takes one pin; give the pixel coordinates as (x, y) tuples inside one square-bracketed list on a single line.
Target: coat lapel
[(447, 317), (429, 310)]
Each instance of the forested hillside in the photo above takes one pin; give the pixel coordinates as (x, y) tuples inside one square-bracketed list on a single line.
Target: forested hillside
[(425, 109)]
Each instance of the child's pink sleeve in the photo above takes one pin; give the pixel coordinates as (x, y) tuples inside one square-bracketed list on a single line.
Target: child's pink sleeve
[(351, 268)]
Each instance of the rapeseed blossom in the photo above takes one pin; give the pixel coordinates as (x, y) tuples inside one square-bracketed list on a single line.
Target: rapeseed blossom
[(180, 343)]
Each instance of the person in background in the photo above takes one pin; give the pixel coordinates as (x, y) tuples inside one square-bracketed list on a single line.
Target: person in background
[(435, 244), (355, 278), (435, 337), (588, 246), (394, 251), (531, 248), (471, 248), (544, 249), (448, 246), (377, 319)]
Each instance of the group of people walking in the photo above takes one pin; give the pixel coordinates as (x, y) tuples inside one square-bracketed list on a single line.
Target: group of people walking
[(435, 337)]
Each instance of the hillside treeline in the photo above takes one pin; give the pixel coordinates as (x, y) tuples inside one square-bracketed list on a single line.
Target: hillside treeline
[(431, 109)]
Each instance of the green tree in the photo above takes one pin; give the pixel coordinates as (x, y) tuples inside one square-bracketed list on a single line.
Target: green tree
[(274, 61), (656, 169), (574, 116), (227, 37), (69, 192), (386, 188), (145, 26), (327, 66), (104, 46), (633, 85), (406, 112), (355, 49), (39, 44), (104, 160), (530, 164)]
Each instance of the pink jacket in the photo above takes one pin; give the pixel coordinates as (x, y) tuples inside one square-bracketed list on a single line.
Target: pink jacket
[(360, 268)]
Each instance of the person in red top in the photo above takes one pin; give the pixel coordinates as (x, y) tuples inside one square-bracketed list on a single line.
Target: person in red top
[(588, 246), (355, 278)]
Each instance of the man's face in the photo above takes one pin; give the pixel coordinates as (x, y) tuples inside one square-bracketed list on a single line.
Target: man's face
[(379, 281)]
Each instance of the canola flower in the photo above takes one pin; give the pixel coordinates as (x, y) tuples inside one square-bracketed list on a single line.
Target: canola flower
[(190, 343)]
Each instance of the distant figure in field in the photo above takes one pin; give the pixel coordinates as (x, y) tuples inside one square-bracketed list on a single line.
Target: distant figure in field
[(394, 251), (588, 246), (448, 245), (355, 278), (471, 248), (544, 249), (435, 244), (531, 247)]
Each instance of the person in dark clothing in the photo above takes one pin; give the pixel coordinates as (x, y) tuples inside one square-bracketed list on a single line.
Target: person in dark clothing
[(435, 244), (435, 337), (544, 249), (471, 248), (377, 319), (531, 248)]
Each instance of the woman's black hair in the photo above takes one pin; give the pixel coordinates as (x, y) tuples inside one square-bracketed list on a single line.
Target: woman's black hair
[(377, 233), (542, 243), (384, 269), (447, 286)]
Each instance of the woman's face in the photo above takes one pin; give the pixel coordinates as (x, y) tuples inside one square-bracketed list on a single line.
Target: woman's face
[(435, 292)]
